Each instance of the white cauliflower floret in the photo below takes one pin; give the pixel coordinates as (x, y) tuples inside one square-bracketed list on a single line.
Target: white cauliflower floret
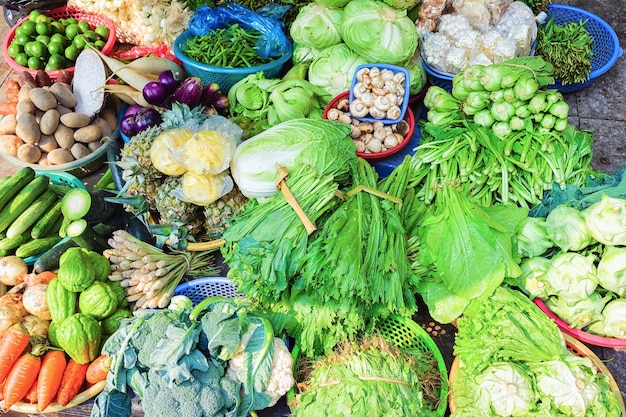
[(281, 376)]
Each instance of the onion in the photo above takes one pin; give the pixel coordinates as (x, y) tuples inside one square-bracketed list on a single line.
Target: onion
[(12, 270)]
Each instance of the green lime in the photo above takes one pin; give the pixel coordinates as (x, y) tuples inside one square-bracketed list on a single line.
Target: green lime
[(56, 48), (35, 63), (22, 39), (71, 31), (55, 62), (79, 42), (72, 52), (43, 28), (57, 27), (36, 49), (103, 31), (59, 38), (99, 44), (21, 59), (34, 14), (91, 36), (42, 18), (83, 26), (71, 21), (45, 39), (29, 27), (15, 49), (20, 31)]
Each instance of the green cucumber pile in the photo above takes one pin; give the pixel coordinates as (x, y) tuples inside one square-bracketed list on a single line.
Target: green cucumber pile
[(30, 213)]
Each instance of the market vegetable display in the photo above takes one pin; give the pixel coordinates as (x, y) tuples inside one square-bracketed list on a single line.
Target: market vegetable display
[(196, 380), (523, 365), (499, 152)]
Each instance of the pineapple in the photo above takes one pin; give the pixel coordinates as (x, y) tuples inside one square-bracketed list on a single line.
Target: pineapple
[(171, 208), (218, 214)]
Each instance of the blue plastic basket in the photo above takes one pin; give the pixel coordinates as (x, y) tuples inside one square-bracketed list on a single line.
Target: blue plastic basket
[(201, 288), (405, 103), (606, 48), (224, 77)]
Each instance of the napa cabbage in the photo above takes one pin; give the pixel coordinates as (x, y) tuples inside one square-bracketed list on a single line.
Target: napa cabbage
[(323, 144)]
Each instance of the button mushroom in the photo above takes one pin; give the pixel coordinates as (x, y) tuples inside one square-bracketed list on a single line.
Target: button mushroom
[(358, 109)]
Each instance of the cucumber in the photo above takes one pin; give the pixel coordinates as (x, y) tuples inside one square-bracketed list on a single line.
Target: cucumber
[(36, 246), (113, 157), (49, 260), (64, 223), (14, 183), (83, 234), (22, 200), (8, 244), (45, 223), (75, 203), (32, 214), (101, 209)]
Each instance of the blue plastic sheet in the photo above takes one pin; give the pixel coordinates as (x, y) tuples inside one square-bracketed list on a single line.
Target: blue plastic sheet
[(273, 42)]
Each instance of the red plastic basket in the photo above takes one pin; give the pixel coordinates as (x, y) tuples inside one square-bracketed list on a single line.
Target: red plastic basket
[(64, 12), (579, 334)]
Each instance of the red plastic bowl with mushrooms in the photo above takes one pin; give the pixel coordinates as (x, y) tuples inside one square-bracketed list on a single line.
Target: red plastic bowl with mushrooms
[(373, 139)]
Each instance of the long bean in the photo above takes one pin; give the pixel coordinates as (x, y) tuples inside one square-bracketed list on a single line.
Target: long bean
[(230, 47)]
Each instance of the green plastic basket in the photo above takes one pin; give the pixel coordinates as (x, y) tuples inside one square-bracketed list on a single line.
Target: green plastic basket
[(404, 334)]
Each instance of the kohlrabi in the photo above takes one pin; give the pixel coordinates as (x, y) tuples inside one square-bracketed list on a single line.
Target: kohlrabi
[(606, 220), (533, 240), (581, 313), (567, 228), (614, 324), (532, 280), (612, 270), (572, 275)]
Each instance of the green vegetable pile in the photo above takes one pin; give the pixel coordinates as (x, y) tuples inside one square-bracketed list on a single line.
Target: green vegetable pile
[(522, 366), (175, 360), (229, 47), (369, 378), (501, 135), (568, 47)]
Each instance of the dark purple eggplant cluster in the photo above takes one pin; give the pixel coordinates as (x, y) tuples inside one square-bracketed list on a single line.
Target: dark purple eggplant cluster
[(138, 118), (167, 89)]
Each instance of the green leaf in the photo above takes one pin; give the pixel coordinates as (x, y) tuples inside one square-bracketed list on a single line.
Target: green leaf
[(223, 331)]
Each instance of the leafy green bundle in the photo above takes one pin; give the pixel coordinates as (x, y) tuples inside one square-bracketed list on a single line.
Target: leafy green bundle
[(522, 366), (369, 378)]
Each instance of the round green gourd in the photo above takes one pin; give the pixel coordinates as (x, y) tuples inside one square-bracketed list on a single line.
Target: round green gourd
[(120, 292), (76, 271), (61, 301), (110, 324), (79, 336), (98, 300), (100, 263)]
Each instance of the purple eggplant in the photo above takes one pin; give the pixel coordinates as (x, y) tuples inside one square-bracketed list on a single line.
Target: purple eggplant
[(188, 92), (209, 93), (221, 104), (131, 110), (146, 118), (128, 126), (155, 93), (168, 80)]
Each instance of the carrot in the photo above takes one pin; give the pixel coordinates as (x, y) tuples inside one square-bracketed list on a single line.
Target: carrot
[(31, 397), (98, 369), (19, 380), (49, 380), (12, 344), (72, 381)]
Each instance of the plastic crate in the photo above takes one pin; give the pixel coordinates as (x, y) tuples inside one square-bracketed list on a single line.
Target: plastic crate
[(201, 288), (224, 77), (94, 20), (606, 49)]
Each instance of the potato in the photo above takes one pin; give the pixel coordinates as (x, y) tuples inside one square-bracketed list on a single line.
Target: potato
[(104, 127), (60, 156), (38, 114), (93, 146), (42, 98), (79, 150), (29, 153), (63, 94), (63, 110), (27, 128), (47, 143), (75, 120), (88, 134), (43, 160), (9, 144), (111, 117), (65, 76), (24, 93), (8, 124), (49, 122), (64, 136), (25, 106)]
